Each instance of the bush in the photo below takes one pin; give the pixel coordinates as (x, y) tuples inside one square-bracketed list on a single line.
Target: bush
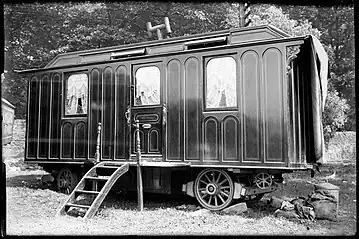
[(335, 114)]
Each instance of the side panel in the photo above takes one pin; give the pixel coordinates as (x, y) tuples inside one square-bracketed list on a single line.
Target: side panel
[(33, 116), (231, 142), (81, 140), (273, 104), (44, 115), (192, 109), (55, 126), (108, 113), (175, 112), (67, 140), (121, 103), (211, 130), (95, 109), (251, 105)]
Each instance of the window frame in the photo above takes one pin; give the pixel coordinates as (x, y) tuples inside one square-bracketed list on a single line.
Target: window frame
[(67, 75), (207, 59), (135, 68)]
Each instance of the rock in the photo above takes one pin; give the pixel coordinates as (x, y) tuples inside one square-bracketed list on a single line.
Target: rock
[(237, 208), (183, 206), (286, 214), (192, 207), (285, 198), (199, 212), (276, 202), (286, 206), (47, 178)]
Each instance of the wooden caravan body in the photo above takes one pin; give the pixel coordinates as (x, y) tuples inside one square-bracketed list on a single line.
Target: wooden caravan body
[(238, 99)]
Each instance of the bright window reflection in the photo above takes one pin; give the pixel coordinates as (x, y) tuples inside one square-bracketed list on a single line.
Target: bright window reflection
[(76, 94), (221, 83), (147, 86)]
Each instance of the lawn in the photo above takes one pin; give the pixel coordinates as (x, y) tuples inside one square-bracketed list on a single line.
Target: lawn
[(31, 207)]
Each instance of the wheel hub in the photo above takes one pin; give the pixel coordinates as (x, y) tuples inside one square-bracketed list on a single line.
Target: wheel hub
[(211, 188)]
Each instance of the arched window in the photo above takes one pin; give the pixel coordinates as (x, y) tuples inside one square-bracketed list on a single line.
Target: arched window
[(147, 90), (76, 94), (221, 83)]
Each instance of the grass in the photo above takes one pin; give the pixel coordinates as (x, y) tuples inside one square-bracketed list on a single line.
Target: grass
[(31, 207)]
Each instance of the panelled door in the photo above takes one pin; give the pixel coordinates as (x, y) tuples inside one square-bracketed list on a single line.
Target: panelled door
[(221, 125), (147, 107)]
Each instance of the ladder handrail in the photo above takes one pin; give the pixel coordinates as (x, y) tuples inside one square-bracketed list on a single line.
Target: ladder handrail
[(82, 181)]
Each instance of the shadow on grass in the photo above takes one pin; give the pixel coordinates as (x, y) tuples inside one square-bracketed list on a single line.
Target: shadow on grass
[(32, 181)]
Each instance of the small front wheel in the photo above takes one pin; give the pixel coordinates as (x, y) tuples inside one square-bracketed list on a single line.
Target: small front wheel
[(66, 180), (214, 189)]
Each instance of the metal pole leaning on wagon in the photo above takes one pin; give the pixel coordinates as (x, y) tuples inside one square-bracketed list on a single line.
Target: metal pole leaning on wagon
[(139, 174)]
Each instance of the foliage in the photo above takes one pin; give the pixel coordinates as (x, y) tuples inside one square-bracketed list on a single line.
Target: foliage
[(266, 14), (335, 114), (336, 23), (35, 33)]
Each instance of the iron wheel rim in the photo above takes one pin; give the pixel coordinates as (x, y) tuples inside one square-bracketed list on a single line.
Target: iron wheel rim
[(214, 189), (65, 181)]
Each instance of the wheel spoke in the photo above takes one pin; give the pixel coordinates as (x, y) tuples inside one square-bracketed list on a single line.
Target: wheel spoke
[(209, 180), (220, 197), (224, 180), (205, 183), (202, 191), (210, 199), (215, 201), (204, 195), (219, 176), (224, 193)]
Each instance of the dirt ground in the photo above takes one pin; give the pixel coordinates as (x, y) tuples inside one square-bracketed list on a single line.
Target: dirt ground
[(31, 206)]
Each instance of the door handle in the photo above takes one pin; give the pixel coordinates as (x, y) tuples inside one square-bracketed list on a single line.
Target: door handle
[(128, 116)]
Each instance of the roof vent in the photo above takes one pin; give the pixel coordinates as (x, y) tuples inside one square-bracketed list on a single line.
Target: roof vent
[(204, 43), (123, 54)]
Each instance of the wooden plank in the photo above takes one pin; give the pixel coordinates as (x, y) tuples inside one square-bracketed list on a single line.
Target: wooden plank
[(79, 186), (96, 178), (88, 192), (76, 205), (106, 188)]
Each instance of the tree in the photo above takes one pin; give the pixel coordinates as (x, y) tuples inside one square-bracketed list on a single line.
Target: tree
[(337, 26), (264, 14)]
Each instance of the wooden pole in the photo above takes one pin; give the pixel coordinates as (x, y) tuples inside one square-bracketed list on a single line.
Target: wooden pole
[(139, 174), (97, 154)]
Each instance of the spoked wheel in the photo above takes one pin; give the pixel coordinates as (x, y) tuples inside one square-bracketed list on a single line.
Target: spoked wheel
[(214, 189), (66, 181), (263, 180)]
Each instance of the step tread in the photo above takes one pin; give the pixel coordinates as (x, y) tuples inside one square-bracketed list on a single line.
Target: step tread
[(77, 205), (98, 178), (110, 167), (86, 191)]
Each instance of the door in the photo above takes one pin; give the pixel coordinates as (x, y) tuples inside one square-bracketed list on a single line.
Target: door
[(148, 109), (221, 119)]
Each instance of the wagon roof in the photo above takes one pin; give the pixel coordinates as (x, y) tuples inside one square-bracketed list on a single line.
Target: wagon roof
[(170, 45)]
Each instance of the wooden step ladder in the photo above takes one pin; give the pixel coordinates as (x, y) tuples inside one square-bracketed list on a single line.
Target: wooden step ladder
[(97, 196)]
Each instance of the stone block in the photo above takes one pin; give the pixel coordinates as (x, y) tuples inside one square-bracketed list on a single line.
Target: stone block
[(236, 209)]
